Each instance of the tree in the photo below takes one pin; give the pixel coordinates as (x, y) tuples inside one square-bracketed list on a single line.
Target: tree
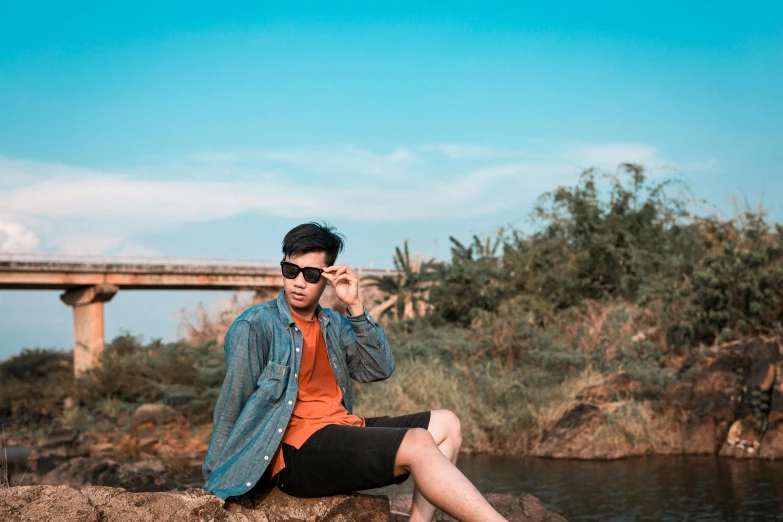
[(408, 287)]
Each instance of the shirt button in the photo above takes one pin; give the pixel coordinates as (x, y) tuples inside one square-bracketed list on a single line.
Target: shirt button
[(289, 402), (296, 375), (297, 349), (266, 457), (279, 430), (249, 484)]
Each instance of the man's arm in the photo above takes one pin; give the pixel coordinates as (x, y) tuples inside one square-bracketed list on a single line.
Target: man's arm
[(243, 367), (367, 350)]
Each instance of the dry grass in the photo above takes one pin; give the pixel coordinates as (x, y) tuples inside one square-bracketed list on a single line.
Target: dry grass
[(499, 411), (202, 324)]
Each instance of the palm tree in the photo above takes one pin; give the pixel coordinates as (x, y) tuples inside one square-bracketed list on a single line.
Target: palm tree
[(407, 288)]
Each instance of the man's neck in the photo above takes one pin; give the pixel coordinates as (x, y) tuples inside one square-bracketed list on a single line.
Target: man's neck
[(305, 313)]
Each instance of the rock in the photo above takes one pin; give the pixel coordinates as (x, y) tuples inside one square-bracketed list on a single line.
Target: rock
[(570, 438), (618, 386), (597, 432), (772, 443), (711, 400), (53, 504), (741, 441), (525, 508), (59, 437), (138, 476), (146, 441), (717, 395), (48, 461), (105, 504), (728, 401), (277, 506), (157, 414), (103, 449)]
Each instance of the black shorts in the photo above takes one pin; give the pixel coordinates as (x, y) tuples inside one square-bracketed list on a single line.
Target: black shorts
[(340, 459)]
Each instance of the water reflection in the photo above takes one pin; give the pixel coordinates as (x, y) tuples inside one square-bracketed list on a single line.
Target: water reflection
[(657, 488)]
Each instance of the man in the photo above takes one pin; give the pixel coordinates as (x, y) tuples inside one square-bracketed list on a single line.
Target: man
[(284, 418)]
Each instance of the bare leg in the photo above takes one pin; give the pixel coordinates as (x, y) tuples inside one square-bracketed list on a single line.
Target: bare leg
[(439, 481), (447, 433)]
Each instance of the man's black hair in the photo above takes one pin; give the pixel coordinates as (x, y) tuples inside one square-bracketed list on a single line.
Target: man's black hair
[(314, 237)]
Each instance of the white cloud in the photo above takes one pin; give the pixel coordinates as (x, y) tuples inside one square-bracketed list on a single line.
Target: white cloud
[(462, 151), (608, 156), (16, 238), (342, 160), (89, 211), (99, 244)]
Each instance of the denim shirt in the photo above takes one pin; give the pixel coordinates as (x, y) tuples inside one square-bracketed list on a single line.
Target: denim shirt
[(263, 353)]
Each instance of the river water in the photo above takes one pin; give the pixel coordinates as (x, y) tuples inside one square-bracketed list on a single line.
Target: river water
[(655, 488), (699, 489)]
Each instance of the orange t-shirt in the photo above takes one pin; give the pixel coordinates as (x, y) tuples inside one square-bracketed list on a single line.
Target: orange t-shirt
[(319, 399)]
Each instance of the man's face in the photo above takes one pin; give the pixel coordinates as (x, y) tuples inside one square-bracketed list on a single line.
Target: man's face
[(302, 295)]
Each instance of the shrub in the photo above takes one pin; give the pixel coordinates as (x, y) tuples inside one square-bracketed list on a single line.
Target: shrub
[(470, 284), (178, 374), (35, 382), (736, 288)]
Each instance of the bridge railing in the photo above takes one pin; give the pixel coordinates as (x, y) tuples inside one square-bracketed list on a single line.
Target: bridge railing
[(133, 260), (94, 260)]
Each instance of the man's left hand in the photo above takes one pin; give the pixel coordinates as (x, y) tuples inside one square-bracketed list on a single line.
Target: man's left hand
[(346, 286)]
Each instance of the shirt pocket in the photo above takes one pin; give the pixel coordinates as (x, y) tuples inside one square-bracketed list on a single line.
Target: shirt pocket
[(272, 383)]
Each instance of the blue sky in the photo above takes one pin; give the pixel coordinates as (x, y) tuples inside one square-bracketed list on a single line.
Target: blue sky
[(182, 129)]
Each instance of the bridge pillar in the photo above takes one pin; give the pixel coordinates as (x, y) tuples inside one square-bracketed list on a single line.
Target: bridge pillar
[(88, 336)]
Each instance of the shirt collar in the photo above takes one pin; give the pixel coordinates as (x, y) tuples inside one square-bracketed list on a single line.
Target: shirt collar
[(285, 312)]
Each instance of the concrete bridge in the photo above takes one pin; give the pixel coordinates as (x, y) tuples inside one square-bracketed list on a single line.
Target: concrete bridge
[(88, 282)]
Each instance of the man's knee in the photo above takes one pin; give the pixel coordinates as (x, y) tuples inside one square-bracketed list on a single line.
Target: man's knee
[(417, 441), (452, 425), (418, 438)]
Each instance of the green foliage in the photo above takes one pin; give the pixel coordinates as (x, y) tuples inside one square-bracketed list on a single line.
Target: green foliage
[(736, 288), (598, 244), (409, 285), (472, 283), (35, 382), (178, 374), (608, 237), (620, 237)]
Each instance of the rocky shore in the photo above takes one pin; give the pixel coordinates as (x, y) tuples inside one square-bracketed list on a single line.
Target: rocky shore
[(105, 504), (728, 403)]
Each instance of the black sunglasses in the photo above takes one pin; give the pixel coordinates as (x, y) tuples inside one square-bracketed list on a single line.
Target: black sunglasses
[(310, 273)]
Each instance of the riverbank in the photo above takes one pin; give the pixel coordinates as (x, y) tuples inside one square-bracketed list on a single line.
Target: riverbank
[(726, 400), (670, 488)]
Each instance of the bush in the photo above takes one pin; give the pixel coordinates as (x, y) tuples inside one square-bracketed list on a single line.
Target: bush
[(470, 284), (609, 239), (35, 382), (736, 288), (178, 374)]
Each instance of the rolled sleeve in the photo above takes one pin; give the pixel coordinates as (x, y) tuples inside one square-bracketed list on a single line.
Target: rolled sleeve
[(368, 354)]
